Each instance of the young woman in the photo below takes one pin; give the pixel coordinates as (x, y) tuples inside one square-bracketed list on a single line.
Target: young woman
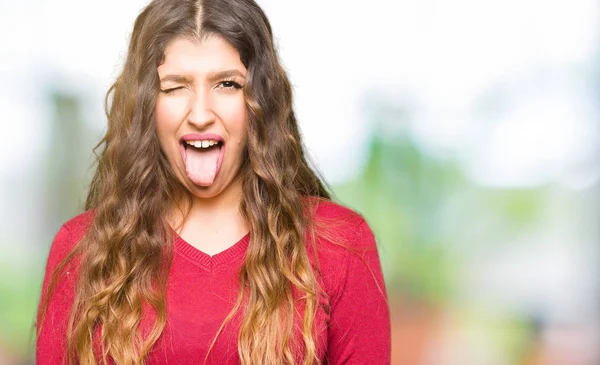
[(207, 238)]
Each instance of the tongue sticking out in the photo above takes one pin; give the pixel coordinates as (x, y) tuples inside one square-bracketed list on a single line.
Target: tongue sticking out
[(201, 164)]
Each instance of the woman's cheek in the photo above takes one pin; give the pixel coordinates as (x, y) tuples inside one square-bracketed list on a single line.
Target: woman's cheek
[(168, 121), (170, 111), (235, 114)]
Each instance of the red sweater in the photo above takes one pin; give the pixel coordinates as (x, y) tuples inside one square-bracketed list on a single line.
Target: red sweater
[(202, 290)]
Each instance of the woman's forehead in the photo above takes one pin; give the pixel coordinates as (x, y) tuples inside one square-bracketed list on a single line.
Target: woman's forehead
[(213, 53)]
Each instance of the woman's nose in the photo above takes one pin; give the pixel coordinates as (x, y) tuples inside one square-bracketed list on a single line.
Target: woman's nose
[(201, 112)]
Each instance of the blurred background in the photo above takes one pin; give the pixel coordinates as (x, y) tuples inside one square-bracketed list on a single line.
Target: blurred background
[(467, 133)]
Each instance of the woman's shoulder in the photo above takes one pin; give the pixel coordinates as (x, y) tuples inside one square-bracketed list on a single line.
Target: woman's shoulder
[(338, 224), (80, 223), (325, 208), (345, 246), (69, 234), (77, 226)]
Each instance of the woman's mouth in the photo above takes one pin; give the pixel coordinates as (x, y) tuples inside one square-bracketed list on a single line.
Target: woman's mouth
[(202, 159)]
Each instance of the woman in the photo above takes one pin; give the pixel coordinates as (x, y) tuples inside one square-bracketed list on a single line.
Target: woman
[(207, 238)]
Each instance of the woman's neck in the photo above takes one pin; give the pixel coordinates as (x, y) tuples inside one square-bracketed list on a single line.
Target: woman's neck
[(219, 210)]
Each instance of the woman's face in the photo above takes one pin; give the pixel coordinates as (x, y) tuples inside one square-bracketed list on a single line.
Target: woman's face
[(201, 115)]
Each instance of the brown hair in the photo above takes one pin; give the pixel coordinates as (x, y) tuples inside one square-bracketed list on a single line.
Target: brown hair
[(126, 253)]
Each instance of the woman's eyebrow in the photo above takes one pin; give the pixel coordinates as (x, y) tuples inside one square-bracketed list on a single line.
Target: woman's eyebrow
[(224, 74), (177, 79)]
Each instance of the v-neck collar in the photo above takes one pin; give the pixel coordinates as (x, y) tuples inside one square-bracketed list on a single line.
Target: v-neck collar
[(207, 261)]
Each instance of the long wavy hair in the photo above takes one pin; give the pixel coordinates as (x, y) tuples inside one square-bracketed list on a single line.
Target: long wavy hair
[(125, 256)]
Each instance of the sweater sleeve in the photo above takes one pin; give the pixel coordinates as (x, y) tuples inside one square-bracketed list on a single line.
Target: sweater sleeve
[(51, 340), (359, 331)]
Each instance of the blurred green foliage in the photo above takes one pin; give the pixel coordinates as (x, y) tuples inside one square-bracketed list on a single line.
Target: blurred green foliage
[(424, 212), (19, 290), (400, 192)]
